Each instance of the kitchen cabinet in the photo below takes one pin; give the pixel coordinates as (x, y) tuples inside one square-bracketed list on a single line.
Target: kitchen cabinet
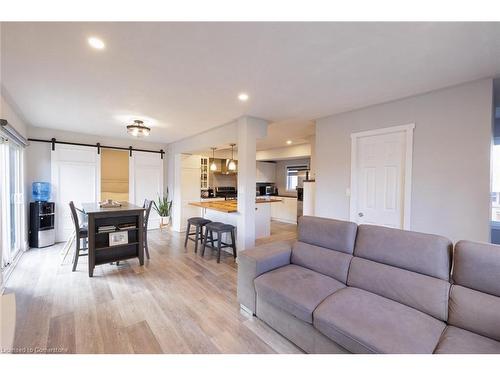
[(265, 172), (285, 211), (204, 173)]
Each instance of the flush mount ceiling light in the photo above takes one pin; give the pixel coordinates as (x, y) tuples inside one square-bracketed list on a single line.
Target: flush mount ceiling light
[(243, 97), (138, 129), (289, 142), (213, 166), (96, 43), (232, 164)]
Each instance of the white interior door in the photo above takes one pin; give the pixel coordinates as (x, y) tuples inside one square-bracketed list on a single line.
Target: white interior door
[(75, 177), (146, 181), (380, 181)]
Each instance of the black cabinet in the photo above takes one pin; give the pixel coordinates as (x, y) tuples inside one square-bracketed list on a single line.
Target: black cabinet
[(42, 232)]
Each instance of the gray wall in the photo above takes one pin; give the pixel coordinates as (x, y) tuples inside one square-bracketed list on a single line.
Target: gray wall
[(451, 158), (281, 174)]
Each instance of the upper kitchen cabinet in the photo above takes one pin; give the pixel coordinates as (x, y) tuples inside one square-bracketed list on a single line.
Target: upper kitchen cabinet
[(266, 172), (204, 173)]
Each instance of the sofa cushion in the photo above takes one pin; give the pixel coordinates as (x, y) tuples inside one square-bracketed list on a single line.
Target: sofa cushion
[(459, 341), (363, 322), (424, 293), (296, 290), (474, 311), (477, 266), (418, 252), (326, 261), (328, 233)]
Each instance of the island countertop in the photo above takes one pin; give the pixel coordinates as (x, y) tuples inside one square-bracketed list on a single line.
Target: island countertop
[(228, 206)]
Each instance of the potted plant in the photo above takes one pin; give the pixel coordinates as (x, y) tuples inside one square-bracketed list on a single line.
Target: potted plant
[(163, 207)]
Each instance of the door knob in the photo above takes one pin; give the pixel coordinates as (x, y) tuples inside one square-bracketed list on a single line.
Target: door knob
[(360, 214)]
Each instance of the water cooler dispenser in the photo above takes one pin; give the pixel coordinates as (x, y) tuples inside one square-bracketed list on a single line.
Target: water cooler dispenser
[(42, 232)]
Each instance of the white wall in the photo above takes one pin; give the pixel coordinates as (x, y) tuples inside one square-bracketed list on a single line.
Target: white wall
[(451, 159), (38, 155), (291, 152), (9, 112)]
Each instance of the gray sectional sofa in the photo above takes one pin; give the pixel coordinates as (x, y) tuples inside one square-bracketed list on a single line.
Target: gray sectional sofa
[(343, 288)]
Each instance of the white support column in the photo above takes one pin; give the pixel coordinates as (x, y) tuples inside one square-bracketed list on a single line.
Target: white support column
[(249, 130), (175, 163)]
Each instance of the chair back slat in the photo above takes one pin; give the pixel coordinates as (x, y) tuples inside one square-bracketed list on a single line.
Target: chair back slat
[(147, 205), (74, 216)]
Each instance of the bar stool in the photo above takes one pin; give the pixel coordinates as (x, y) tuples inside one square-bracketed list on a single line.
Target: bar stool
[(198, 223), (220, 229)]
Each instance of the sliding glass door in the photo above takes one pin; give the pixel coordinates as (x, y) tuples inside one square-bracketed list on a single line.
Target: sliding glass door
[(15, 194), (11, 200)]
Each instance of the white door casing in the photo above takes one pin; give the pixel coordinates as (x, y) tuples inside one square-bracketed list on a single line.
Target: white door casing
[(381, 168), (75, 176), (146, 181)]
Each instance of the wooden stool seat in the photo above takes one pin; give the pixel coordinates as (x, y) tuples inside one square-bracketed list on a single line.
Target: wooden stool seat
[(220, 229), (198, 223)]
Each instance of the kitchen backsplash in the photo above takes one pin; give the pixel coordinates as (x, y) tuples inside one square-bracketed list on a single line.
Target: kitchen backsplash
[(217, 179)]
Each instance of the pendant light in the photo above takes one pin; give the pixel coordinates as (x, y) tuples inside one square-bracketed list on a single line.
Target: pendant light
[(138, 129), (232, 164), (213, 166)]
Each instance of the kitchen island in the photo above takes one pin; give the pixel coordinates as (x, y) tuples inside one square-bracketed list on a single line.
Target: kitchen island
[(126, 221), (227, 212)]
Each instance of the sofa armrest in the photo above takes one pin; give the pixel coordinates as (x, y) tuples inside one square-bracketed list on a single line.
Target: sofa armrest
[(254, 262)]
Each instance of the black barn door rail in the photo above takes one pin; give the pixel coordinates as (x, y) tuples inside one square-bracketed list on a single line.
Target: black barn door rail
[(54, 141)]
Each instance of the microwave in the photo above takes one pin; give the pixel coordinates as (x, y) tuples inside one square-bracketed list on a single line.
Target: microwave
[(271, 190)]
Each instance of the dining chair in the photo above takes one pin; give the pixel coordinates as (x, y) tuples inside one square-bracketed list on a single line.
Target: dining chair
[(81, 233), (147, 205)]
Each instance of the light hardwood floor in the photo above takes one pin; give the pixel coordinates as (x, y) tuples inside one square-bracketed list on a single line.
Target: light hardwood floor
[(178, 302)]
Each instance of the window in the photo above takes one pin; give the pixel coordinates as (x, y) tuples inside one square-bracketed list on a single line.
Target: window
[(294, 176)]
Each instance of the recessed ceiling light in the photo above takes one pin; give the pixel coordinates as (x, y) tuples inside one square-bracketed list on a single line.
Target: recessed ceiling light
[(243, 97), (289, 142), (96, 43)]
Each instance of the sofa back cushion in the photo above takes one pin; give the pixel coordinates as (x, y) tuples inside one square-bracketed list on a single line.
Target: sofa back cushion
[(408, 267), (475, 311), (325, 246), (475, 295), (328, 233), (476, 265), (328, 262), (418, 252), (424, 293)]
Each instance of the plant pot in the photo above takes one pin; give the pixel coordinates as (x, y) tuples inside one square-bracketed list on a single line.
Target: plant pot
[(164, 220)]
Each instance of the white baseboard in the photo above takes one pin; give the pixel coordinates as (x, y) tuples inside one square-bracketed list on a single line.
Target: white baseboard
[(284, 220), (246, 309)]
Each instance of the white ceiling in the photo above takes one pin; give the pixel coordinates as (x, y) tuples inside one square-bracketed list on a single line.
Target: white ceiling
[(183, 78), (297, 131)]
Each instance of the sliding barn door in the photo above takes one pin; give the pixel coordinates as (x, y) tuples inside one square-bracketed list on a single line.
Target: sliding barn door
[(75, 177), (146, 181)]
